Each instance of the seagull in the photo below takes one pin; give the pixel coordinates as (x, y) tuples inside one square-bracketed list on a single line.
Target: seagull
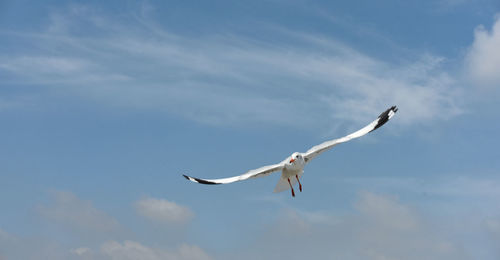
[(292, 168)]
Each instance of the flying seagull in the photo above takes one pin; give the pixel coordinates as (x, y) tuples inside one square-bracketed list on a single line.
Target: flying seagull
[(292, 167)]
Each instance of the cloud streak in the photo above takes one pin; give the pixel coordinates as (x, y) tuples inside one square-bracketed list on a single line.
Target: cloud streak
[(228, 79)]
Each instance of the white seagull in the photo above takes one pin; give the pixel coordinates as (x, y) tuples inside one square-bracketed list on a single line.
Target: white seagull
[(292, 167)]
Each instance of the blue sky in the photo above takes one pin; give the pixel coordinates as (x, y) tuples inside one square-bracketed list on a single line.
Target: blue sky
[(104, 105)]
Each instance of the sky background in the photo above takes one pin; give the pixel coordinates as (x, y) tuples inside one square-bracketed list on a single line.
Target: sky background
[(104, 105)]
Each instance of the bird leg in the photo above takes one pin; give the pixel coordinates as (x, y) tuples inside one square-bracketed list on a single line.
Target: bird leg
[(293, 193), (300, 185)]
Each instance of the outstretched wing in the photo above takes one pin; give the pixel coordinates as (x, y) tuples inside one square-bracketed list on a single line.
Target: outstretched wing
[(381, 120), (260, 172)]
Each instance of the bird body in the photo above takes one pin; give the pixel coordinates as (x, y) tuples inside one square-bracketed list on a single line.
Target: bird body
[(292, 168)]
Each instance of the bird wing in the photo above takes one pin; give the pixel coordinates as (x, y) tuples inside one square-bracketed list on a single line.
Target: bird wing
[(260, 172), (381, 120)]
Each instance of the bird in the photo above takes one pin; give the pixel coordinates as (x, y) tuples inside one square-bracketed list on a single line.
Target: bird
[(292, 168)]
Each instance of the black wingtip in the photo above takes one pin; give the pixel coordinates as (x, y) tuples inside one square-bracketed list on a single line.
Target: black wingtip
[(193, 179), (384, 117)]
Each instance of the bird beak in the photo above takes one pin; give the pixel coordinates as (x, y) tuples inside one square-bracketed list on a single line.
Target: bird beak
[(292, 160)]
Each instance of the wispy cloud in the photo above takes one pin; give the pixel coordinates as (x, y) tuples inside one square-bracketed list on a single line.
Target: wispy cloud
[(163, 211), (228, 79), (449, 186), (134, 250), (69, 210), (382, 227)]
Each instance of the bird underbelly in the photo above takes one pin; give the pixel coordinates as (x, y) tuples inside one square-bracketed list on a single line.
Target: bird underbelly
[(288, 178), (289, 173)]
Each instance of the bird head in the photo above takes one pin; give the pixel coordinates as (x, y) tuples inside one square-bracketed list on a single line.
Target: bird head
[(295, 157)]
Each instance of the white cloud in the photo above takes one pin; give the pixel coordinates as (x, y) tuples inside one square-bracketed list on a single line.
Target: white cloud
[(483, 58), (163, 211), (83, 253), (134, 250), (231, 79), (23, 248), (381, 228), (459, 214), (69, 210), (385, 211), (388, 229)]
